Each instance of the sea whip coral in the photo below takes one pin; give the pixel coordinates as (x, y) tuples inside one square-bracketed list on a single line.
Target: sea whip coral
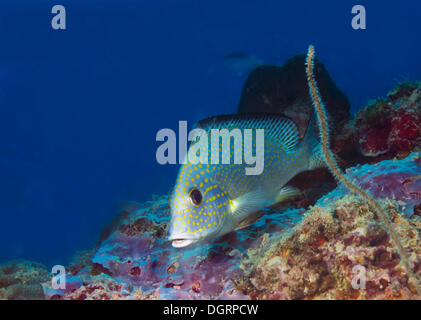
[(336, 171)]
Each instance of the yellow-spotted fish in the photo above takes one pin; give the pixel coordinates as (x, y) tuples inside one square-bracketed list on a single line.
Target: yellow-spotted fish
[(210, 200)]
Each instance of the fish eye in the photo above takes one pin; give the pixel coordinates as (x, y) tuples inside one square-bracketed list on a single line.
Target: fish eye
[(196, 197)]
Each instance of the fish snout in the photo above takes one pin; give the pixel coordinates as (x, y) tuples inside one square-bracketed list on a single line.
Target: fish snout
[(180, 240)]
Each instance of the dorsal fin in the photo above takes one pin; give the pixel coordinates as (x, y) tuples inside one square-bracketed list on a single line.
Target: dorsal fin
[(278, 128), (288, 134)]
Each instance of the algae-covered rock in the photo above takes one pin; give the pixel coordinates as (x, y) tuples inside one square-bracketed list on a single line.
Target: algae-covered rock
[(341, 237), (21, 280), (287, 254), (325, 244)]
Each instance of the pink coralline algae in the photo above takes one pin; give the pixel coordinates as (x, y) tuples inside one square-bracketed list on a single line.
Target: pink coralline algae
[(140, 263), (339, 237), (392, 180), (296, 254), (391, 126)]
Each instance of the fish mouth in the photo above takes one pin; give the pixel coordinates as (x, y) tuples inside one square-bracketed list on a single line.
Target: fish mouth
[(180, 243), (182, 239)]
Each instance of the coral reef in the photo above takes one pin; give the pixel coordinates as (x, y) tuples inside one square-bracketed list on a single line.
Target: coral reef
[(21, 280), (319, 259), (292, 252), (390, 127), (295, 254), (137, 261), (283, 89), (337, 173), (337, 236), (287, 254)]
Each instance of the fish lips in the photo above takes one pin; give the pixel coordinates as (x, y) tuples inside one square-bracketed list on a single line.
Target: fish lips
[(181, 243), (182, 240)]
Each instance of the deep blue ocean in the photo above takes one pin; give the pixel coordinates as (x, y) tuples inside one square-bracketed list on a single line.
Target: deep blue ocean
[(80, 108)]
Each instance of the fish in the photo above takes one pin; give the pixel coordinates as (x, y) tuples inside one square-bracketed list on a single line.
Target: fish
[(241, 62), (210, 200)]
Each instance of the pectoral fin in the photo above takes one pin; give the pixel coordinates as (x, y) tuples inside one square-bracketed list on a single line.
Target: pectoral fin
[(244, 207), (287, 193), (249, 220)]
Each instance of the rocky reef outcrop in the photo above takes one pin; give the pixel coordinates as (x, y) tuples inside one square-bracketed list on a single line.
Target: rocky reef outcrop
[(340, 239), (138, 261), (21, 280), (292, 254), (390, 127), (314, 247), (284, 90)]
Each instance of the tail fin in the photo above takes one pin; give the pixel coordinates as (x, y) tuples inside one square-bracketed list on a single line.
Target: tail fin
[(313, 146)]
